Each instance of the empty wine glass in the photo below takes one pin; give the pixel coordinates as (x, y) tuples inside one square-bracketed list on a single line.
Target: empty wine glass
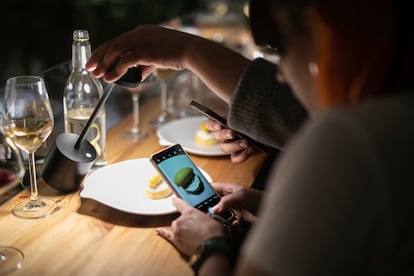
[(28, 121), (136, 133), (164, 75), (11, 172)]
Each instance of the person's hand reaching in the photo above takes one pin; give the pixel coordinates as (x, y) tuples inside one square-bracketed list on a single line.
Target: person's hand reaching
[(239, 149)]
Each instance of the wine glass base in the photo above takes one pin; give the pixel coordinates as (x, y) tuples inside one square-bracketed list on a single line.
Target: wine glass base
[(33, 210), (11, 259), (136, 135)]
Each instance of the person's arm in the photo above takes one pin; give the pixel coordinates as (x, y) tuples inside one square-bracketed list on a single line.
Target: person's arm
[(218, 265), (151, 46), (220, 70), (264, 109), (203, 239), (260, 107)]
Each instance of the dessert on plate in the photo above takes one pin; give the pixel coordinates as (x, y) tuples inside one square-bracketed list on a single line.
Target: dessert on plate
[(204, 137), (157, 188)]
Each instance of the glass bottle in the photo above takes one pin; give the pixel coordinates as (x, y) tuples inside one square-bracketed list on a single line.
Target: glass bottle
[(81, 95)]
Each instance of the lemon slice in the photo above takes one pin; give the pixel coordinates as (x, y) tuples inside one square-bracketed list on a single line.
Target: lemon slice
[(157, 189), (204, 137)]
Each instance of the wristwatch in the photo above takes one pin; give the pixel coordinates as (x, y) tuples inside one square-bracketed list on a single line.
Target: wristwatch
[(209, 247)]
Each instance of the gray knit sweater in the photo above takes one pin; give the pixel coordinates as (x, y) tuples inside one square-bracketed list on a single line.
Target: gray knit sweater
[(264, 109)]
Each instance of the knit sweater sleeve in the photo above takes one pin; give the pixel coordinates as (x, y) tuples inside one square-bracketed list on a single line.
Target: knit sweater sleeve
[(264, 109)]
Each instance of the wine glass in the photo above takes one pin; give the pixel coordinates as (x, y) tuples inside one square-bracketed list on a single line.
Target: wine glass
[(164, 75), (136, 133), (28, 121), (11, 172)]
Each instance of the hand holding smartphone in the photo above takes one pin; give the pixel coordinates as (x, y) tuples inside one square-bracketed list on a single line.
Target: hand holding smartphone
[(223, 122), (186, 180)]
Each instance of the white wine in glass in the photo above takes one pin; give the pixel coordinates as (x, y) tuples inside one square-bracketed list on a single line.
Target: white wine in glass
[(28, 120), (11, 172)]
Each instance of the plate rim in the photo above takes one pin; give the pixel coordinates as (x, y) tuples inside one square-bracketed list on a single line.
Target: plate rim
[(185, 147)]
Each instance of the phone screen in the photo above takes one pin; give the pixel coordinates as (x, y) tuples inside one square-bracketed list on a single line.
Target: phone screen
[(186, 179)]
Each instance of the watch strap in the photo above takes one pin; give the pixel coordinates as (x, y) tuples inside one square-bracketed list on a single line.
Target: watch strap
[(211, 246)]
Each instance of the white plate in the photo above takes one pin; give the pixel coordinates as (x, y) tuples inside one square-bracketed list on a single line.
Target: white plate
[(121, 186), (182, 131)]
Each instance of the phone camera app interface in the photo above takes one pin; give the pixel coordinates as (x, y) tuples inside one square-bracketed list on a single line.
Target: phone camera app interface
[(188, 181)]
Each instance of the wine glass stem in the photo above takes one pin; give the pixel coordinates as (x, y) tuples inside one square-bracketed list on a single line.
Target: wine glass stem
[(34, 193), (164, 99), (135, 110)]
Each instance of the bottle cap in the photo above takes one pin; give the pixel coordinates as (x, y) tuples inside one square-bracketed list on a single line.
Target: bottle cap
[(80, 35)]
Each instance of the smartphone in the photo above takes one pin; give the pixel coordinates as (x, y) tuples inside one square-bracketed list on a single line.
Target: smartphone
[(186, 180), (223, 122)]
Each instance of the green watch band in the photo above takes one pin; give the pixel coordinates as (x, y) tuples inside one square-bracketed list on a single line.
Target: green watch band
[(209, 247)]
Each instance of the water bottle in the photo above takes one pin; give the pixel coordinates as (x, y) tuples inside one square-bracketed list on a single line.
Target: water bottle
[(81, 95)]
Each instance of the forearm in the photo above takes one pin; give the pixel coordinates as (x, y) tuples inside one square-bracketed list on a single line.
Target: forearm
[(217, 264), (151, 46), (219, 67)]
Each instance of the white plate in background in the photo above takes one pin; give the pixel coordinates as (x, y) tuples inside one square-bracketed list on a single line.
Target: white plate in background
[(182, 131)]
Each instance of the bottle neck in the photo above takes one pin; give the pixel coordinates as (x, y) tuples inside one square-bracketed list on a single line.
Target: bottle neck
[(81, 52)]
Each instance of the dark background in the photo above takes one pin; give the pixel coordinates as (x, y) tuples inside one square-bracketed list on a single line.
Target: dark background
[(36, 35), (36, 39)]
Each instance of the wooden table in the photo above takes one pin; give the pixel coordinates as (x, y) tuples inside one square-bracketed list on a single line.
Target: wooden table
[(85, 237)]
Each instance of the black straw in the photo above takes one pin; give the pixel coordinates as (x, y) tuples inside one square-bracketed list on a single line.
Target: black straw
[(130, 79), (95, 112)]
